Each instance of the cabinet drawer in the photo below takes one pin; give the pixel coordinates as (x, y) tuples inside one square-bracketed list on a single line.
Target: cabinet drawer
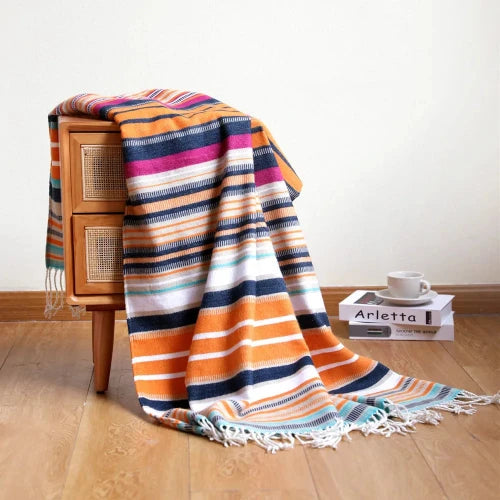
[(97, 178), (98, 254)]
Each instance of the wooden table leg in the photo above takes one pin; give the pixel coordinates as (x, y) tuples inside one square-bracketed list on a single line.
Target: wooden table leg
[(103, 332)]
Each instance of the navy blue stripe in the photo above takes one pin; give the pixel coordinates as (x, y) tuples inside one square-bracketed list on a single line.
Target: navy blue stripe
[(245, 378), (443, 393), (162, 321), (104, 111), (196, 188), (364, 382), (131, 220), (242, 221), (54, 193), (167, 115), (293, 255), (131, 253), (250, 287), (264, 161), (314, 320), (164, 405), (288, 268), (208, 100), (260, 232), (283, 222), (201, 256), (278, 204), (185, 143)]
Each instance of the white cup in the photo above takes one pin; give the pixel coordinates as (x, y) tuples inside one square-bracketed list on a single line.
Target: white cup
[(407, 284)]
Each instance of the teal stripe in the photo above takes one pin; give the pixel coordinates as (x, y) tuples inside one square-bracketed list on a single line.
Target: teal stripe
[(54, 249), (168, 289), (241, 259), (304, 290), (55, 182), (274, 427)]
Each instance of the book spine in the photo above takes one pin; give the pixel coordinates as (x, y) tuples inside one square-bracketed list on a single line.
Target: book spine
[(400, 315), (377, 331)]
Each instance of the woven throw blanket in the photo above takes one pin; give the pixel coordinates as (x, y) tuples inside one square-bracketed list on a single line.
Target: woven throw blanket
[(228, 331)]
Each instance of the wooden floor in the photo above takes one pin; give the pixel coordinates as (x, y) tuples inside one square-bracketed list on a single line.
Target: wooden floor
[(58, 439)]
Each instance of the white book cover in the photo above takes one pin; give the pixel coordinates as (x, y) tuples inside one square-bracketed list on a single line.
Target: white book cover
[(365, 306), (380, 331)]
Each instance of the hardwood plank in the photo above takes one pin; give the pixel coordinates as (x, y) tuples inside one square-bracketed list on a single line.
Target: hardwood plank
[(373, 467), (119, 452), (466, 463), (8, 335), (477, 349), (43, 386), (237, 472), (463, 451), (283, 494)]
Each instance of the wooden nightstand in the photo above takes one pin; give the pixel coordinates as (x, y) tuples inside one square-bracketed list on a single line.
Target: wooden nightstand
[(93, 202)]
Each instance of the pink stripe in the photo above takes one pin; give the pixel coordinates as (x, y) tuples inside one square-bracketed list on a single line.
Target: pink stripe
[(191, 101), (186, 158), (268, 175)]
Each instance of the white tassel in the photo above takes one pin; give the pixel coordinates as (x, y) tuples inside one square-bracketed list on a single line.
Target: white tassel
[(236, 436), (54, 292), (77, 311)]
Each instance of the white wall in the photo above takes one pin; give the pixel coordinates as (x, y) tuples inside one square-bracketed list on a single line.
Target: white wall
[(388, 110)]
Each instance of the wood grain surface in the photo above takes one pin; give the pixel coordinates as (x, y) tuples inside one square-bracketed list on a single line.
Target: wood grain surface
[(59, 439)]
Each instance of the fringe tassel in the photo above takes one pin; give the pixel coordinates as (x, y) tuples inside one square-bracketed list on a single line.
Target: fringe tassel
[(235, 436), (54, 291), (77, 311), (54, 294), (396, 419), (400, 420)]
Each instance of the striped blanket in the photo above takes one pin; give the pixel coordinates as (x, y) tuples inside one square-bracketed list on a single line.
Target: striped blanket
[(228, 331)]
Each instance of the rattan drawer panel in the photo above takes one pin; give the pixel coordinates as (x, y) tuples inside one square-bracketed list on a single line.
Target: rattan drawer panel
[(98, 254), (98, 182)]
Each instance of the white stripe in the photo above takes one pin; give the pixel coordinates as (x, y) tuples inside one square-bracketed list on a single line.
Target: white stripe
[(262, 390), (54, 144), (178, 175), (248, 342), (160, 376), (340, 363), (160, 357), (388, 383), (246, 322), (327, 349), (56, 163)]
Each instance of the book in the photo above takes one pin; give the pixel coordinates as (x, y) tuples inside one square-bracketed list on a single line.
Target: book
[(365, 306), (390, 331)]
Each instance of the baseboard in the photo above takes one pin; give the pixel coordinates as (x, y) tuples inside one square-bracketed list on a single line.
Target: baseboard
[(469, 299)]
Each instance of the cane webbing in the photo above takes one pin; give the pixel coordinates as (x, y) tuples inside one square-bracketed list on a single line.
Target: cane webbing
[(102, 172), (104, 253)]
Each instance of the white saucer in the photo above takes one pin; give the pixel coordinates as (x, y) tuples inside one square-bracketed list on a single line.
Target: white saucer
[(426, 297)]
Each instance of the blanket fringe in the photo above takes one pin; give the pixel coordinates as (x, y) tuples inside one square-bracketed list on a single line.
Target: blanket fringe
[(396, 419), (54, 295), (236, 436), (400, 420), (54, 291), (77, 311)]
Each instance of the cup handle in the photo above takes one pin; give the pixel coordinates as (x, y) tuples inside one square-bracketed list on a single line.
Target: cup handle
[(425, 287)]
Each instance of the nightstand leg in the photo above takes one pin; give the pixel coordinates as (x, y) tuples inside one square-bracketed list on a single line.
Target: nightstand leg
[(103, 332)]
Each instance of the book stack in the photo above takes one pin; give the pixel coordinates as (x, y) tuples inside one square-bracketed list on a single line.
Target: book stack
[(371, 317)]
